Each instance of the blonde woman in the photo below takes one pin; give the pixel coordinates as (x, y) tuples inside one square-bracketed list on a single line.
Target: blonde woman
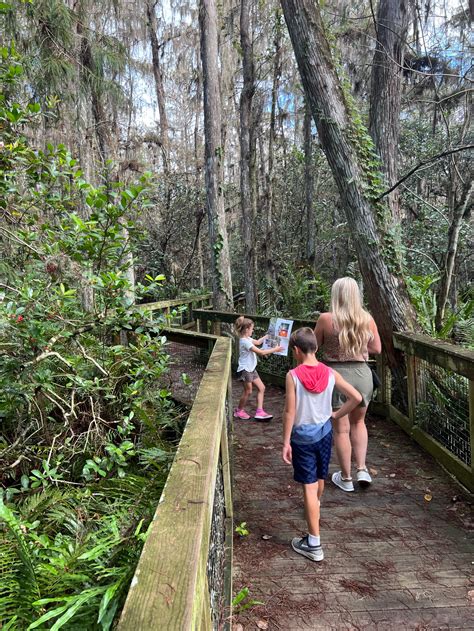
[(347, 335)]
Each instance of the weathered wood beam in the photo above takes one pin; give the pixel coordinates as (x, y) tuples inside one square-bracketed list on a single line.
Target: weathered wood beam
[(170, 589), (444, 354)]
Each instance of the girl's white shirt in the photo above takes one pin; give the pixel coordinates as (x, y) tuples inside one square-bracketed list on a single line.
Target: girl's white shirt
[(247, 358)]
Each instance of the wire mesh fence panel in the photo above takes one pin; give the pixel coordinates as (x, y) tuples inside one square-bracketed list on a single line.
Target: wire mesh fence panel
[(399, 390), (217, 555), (442, 408)]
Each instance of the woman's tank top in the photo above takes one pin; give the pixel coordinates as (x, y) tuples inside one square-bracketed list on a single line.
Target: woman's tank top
[(334, 353)]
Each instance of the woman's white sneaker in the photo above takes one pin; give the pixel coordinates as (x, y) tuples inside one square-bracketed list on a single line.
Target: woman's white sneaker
[(363, 477), (345, 485)]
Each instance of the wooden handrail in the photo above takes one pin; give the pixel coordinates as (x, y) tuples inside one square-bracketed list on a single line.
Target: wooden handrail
[(444, 354), (227, 316), (449, 357), (166, 304), (170, 589)]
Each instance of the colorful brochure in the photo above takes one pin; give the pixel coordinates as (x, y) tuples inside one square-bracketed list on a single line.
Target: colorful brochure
[(279, 331)]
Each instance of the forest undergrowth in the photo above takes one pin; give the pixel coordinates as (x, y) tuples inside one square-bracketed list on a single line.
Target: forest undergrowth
[(87, 434)]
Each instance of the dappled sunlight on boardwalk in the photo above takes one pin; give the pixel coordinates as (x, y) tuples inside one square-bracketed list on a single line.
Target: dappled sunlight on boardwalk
[(397, 555)]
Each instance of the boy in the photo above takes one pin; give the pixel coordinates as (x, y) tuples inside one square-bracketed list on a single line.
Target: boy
[(307, 429)]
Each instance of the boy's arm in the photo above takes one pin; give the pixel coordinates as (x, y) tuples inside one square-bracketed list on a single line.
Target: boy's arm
[(288, 417), (352, 395)]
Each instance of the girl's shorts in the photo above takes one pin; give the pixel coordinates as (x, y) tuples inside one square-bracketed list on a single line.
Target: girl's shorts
[(359, 375), (245, 375)]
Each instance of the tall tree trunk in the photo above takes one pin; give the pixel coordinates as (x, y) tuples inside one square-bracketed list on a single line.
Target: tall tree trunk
[(221, 275), (268, 245), (385, 91), (247, 158), (108, 150), (342, 142), (309, 186), (198, 167), (158, 77), (101, 123), (461, 213)]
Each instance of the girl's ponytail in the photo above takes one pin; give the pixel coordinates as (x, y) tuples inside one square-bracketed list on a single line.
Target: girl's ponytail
[(242, 324)]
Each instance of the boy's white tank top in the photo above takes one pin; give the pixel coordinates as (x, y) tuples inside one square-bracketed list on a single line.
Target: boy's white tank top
[(313, 408)]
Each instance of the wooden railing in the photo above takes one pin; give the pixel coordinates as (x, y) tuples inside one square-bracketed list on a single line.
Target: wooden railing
[(183, 579), (171, 587), (180, 310), (439, 413)]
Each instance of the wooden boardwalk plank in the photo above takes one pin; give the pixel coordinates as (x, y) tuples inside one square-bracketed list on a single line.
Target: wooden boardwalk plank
[(393, 559)]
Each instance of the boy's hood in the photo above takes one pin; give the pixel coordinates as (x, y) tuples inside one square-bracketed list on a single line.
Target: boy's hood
[(314, 378)]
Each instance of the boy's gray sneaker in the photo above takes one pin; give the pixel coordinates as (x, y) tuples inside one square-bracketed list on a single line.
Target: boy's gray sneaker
[(345, 485), (363, 477), (301, 546)]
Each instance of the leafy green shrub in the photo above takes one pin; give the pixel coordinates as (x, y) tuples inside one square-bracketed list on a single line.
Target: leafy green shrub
[(81, 408)]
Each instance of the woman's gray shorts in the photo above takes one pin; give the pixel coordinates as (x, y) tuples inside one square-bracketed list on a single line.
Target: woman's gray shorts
[(359, 375)]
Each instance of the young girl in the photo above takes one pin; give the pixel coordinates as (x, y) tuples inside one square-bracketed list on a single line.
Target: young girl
[(246, 372)]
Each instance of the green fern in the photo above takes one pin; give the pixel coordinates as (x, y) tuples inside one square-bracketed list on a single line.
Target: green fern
[(71, 554)]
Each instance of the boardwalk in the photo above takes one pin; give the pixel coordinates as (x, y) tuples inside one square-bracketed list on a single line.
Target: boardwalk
[(397, 556)]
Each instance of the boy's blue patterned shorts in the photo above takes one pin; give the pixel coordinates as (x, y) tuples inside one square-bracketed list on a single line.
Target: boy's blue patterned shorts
[(311, 462)]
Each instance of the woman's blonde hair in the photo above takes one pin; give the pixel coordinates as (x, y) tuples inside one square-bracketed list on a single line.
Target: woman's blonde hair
[(351, 320), (242, 324)]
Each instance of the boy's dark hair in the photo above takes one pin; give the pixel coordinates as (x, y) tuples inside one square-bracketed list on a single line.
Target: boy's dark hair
[(305, 340)]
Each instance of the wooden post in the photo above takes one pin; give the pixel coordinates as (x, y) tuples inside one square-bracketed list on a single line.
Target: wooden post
[(471, 423), (411, 387)]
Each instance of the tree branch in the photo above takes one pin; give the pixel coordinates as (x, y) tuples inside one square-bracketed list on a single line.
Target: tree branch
[(423, 164)]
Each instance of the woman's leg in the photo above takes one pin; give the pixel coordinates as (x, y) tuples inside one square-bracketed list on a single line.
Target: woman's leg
[(359, 436), (342, 443), (245, 394), (260, 392)]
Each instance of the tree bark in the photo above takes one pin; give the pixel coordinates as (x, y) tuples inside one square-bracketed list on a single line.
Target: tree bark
[(388, 298), (309, 186), (247, 158), (461, 213), (221, 275), (158, 77), (385, 91), (268, 245), (108, 150)]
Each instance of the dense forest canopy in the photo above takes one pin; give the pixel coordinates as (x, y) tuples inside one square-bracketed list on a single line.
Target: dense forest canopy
[(156, 149), (121, 86)]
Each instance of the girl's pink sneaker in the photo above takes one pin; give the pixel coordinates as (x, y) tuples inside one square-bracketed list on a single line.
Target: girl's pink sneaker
[(261, 415), (242, 414)]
